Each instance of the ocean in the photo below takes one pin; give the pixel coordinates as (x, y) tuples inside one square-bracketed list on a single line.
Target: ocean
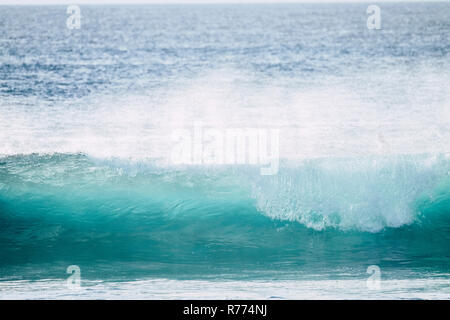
[(356, 204)]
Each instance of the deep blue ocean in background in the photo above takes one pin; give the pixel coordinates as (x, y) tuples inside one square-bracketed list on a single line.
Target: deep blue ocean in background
[(86, 117)]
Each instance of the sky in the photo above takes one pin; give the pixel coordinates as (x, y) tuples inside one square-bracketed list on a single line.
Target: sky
[(83, 2)]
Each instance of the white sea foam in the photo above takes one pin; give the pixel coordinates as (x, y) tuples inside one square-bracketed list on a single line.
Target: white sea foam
[(413, 288)]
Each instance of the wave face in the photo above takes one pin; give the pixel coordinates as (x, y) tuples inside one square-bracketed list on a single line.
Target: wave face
[(316, 214)]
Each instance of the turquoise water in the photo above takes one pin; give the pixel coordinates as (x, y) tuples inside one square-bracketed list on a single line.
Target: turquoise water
[(132, 220), (86, 176)]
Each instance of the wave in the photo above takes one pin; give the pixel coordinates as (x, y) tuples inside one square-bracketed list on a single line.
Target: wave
[(62, 206)]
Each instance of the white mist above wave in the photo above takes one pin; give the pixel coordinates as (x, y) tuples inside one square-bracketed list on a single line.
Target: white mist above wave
[(333, 118)]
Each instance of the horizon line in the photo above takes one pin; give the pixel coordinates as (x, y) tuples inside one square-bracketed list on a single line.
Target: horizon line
[(212, 2)]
